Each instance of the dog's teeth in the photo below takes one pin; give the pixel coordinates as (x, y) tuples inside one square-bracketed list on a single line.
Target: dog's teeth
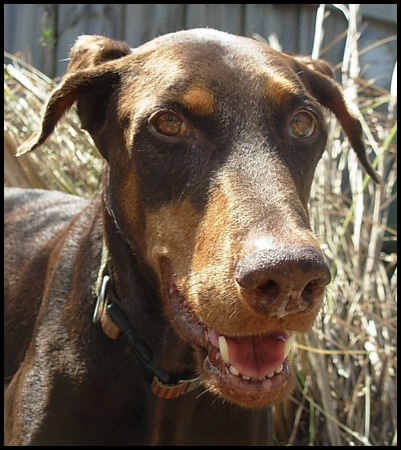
[(270, 375), (245, 377), (279, 369), (289, 343), (224, 349), (234, 371)]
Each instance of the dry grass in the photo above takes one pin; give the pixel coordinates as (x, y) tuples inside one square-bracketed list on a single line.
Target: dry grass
[(349, 362), (68, 161), (347, 367)]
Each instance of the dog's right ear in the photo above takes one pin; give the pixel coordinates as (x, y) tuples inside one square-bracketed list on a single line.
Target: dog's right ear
[(92, 73)]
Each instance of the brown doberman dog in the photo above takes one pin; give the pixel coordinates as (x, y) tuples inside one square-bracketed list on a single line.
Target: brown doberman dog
[(162, 312)]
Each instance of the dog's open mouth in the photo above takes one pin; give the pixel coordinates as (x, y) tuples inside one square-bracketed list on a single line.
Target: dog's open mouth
[(251, 370), (248, 370)]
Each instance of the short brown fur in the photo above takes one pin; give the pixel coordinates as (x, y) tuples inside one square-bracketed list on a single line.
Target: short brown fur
[(207, 235)]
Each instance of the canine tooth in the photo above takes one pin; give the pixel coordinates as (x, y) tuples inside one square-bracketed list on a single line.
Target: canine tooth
[(289, 343), (270, 375), (233, 370), (224, 349), (279, 369)]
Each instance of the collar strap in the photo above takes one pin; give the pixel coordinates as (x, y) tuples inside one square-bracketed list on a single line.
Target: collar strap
[(116, 325)]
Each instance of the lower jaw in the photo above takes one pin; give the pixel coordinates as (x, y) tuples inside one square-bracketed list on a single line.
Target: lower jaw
[(248, 393)]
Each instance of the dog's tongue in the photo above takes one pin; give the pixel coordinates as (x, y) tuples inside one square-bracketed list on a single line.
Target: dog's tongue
[(257, 356)]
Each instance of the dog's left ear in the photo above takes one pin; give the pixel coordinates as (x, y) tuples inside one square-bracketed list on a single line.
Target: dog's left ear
[(91, 51), (318, 78), (93, 73)]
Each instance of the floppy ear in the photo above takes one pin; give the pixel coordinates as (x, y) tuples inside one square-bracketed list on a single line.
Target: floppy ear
[(90, 79), (91, 51), (318, 78)]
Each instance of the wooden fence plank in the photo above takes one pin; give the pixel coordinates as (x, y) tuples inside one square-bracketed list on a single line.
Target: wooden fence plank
[(44, 33)]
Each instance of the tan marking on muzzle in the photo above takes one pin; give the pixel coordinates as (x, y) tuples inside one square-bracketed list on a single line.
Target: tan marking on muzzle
[(171, 232)]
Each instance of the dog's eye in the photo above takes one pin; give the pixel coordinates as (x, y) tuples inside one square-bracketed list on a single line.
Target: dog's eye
[(302, 125), (168, 123)]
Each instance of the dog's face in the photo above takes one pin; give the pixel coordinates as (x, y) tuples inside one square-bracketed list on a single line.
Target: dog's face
[(212, 141)]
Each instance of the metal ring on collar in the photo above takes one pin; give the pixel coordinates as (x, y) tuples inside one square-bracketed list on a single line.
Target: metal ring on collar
[(101, 300)]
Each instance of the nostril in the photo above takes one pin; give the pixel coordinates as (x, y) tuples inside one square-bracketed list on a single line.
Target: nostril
[(269, 290), (282, 280), (313, 290)]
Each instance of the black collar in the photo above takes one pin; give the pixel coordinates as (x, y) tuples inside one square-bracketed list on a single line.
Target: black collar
[(116, 325)]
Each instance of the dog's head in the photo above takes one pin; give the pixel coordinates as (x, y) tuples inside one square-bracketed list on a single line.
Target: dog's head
[(212, 141)]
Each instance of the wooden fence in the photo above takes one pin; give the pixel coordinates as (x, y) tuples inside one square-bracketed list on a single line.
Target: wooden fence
[(44, 33)]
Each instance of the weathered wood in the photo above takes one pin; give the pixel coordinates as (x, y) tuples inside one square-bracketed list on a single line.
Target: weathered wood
[(44, 33)]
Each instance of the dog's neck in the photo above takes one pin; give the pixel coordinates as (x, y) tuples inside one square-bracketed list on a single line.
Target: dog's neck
[(139, 298)]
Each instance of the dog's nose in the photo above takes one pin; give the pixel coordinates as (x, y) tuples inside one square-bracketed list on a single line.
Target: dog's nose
[(281, 281)]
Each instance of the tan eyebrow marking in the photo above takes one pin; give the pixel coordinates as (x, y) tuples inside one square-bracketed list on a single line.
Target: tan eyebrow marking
[(200, 100), (279, 88)]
